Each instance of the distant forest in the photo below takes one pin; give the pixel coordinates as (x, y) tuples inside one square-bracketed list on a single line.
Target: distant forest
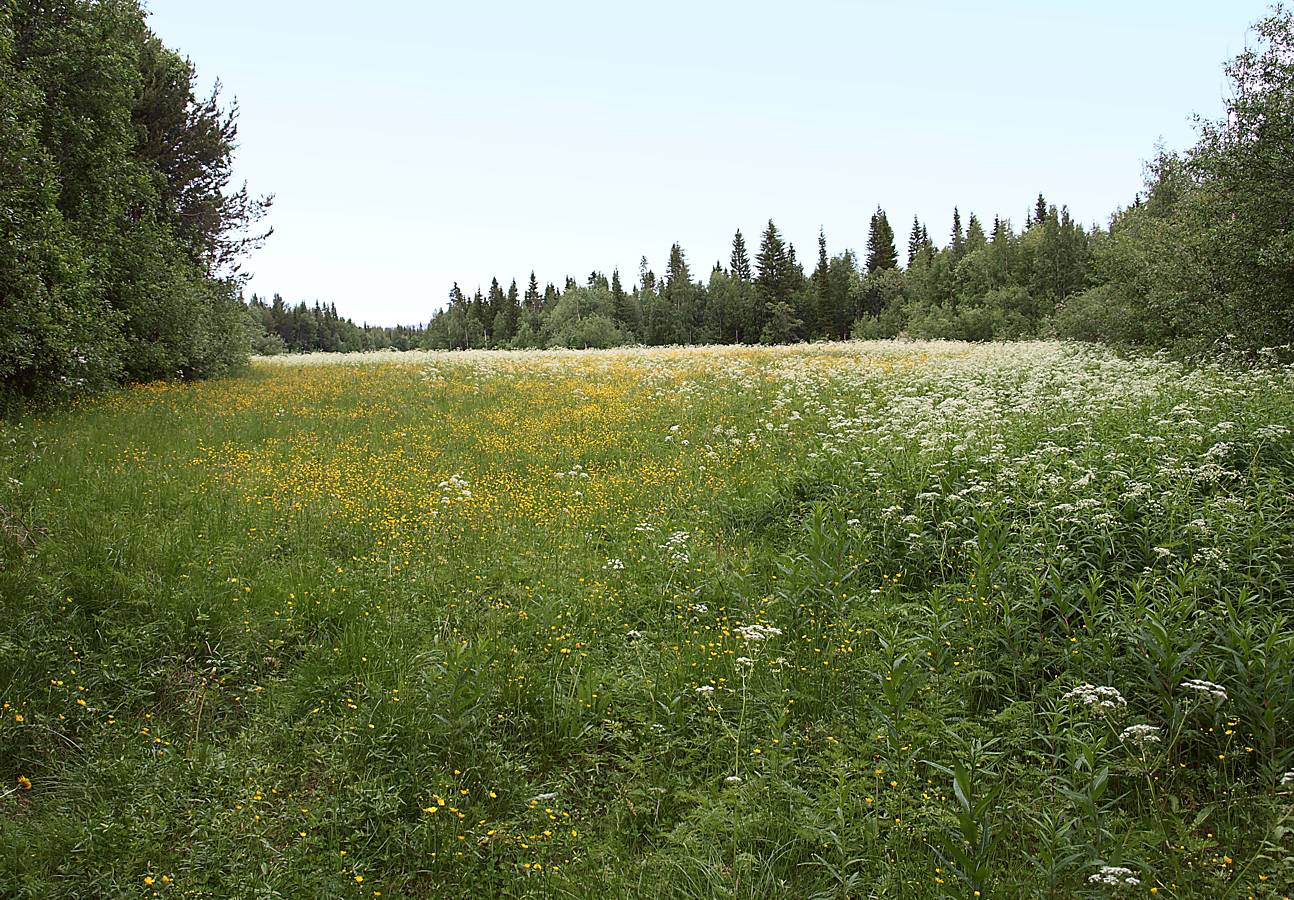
[(1202, 260), (122, 233)]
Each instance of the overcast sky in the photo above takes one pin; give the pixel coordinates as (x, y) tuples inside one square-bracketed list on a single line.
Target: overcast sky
[(412, 144)]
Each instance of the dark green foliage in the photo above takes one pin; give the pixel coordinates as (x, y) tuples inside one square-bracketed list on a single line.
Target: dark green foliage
[(277, 328), (740, 262), (119, 232), (881, 253)]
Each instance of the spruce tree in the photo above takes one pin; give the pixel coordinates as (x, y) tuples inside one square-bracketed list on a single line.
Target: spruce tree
[(621, 303), (958, 239), (881, 253), (740, 261), (510, 315), (821, 274), (1040, 211), (975, 238), (774, 264), (533, 296), (493, 307), (915, 242)]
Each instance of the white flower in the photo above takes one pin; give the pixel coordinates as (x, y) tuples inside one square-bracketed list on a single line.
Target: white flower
[(757, 632), (705, 689), (745, 662), (1114, 876), (700, 608), (1097, 697), (633, 635), (1215, 691), (732, 779), (616, 564), (1141, 735)]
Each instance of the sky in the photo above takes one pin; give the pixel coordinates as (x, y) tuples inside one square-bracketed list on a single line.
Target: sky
[(411, 144)]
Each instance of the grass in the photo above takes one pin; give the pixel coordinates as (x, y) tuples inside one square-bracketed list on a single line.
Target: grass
[(833, 621)]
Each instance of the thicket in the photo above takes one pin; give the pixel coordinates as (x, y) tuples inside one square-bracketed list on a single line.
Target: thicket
[(120, 230)]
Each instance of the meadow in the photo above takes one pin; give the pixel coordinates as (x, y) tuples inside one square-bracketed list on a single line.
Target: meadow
[(881, 619)]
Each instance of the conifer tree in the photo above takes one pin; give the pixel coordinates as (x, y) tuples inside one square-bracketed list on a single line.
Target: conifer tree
[(975, 238), (533, 297), (494, 304), (740, 261), (881, 253), (820, 274), (774, 263), (505, 326), (916, 243), (622, 304), (958, 239), (1040, 211)]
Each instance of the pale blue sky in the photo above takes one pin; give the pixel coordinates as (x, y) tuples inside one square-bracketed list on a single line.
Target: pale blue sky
[(412, 144)]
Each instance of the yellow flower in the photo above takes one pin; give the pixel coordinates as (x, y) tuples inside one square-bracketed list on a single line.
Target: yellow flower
[(24, 782), (148, 880)]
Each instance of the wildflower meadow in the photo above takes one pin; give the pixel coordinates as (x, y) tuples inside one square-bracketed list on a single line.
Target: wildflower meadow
[(863, 619)]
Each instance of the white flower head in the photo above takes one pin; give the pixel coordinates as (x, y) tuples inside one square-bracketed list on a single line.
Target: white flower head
[(757, 632), (1098, 698), (1141, 735), (1206, 688), (1114, 876), (705, 689)]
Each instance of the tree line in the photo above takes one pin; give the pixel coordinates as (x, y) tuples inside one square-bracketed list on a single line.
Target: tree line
[(983, 284), (1202, 260)]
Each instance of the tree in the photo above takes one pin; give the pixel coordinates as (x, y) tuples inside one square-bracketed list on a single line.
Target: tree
[(881, 253), (916, 241), (494, 307), (740, 262), (624, 312), (782, 326), (533, 300), (775, 278), (958, 244)]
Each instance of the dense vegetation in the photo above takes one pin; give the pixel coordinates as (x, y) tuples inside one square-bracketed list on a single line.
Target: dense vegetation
[(843, 620), (982, 285), (119, 229)]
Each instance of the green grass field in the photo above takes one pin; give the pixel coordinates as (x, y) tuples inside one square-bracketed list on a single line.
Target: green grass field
[(849, 620)]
